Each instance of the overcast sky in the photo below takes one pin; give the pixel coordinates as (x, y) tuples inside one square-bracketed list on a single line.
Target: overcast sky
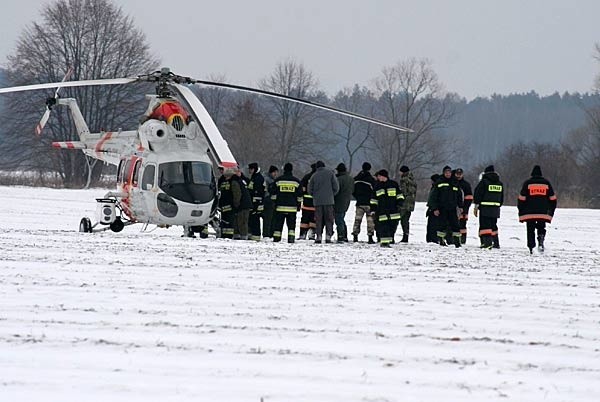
[(478, 47)]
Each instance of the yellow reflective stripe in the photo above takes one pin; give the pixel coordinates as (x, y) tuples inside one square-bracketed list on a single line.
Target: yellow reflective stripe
[(380, 192), (283, 208), (226, 208), (291, 232), (257, 198), (400, 196), (441, 234), (383, 218), (395, 216), (386, 240), (299, 199), (455, 188), (308, 196), (277, 233), (391, 192), (490, 203), (374, 202), (260, 208), (443, 185)]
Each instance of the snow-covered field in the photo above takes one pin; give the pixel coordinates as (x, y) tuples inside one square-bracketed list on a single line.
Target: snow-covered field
[(155, 317)]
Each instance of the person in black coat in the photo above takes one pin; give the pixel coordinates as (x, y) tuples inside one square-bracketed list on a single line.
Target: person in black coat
[(536, 203), (386, 202), (364, 183), (488, 198), (446, 203), (467, 193), (256, 187), (287, 198)]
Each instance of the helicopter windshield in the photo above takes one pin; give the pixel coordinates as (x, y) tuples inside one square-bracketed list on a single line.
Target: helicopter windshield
[(187, 181)]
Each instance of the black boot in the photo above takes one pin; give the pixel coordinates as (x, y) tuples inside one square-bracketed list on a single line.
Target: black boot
[(442, 241), (541, 243), (404, 238), (302, 234), (495, 241), (486, 242), (457, 241), (463, 238), (355, 238), (371, 241)]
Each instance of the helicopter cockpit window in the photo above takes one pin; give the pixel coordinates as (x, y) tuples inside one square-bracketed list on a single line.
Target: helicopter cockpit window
[(126, 170), (148, 177), (120, 171), (187, 181)]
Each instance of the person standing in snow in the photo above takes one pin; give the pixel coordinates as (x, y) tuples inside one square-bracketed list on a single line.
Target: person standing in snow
[(488, 198), (323, 186), (408, 186), (342, 201), (536, 203)]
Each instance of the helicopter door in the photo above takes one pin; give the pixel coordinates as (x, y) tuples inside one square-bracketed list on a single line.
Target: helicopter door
[(148, 189)]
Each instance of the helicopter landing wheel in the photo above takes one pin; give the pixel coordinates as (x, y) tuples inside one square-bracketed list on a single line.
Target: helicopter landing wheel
[(117, 225), (85, 225)]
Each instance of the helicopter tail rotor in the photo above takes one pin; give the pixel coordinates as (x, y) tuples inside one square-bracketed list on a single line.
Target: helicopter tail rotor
[(49, 103)]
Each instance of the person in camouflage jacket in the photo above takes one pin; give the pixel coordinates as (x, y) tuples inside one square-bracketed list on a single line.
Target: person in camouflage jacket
[(408, 186)]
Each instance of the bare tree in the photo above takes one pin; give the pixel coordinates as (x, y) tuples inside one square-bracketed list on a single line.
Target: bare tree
[(217, 101), (246, 133), (294, 129), (355, 134), (411, 95), (97, 40)]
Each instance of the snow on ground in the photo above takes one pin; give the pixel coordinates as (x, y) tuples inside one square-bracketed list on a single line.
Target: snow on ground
[(156, 317)]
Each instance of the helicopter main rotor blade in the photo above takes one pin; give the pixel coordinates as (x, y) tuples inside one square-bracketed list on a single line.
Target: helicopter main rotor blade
[(304, 102), (86, 83)]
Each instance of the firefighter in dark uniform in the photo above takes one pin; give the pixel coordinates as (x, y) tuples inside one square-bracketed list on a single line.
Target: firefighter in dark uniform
[(446, 202), (256, 187), (537, 203), (226, 203), (467, 194), (287, 199), (386, 202), (488, 198), (242, 205), (363, 190), (307, 220), (431, 236)]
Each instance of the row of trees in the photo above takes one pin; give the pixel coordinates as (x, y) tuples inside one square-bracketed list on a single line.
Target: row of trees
[(97, 40)]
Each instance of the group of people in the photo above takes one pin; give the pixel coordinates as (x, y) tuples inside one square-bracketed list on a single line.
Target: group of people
[(323, 197)]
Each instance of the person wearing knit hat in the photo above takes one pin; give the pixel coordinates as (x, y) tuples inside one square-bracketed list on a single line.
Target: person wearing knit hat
[(256, 187), (363, 189), (445, 200), (287, 199), (268, 211), (408, 186), (536, 203), (387, 202), (467, 193), (307, 219), (342, 201), (488, 197)]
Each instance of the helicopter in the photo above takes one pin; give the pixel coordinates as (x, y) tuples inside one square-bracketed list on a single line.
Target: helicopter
[(165, 174)]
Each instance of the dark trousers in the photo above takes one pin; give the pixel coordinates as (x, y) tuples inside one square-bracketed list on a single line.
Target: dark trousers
[(254, 225), (307, 220), (488, 229), (324, 217), (227, 223), (447, 219), (385, 229), (241, 224), (531, 227), (268, 218), (340, 225), (290, 219), (431, 236)]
